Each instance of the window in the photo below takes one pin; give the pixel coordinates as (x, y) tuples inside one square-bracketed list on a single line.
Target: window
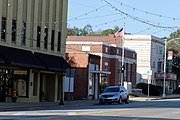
[(159, 66), (106, 66), (3, 29), (38, 36), (14, 30), (106, 49), (23, 34), (160, 50), (45, 37), (59, 41), (52, 40), (117, 51)]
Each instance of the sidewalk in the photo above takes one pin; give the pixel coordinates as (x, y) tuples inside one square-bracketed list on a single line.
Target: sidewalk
[(45, 105), (155, 97)]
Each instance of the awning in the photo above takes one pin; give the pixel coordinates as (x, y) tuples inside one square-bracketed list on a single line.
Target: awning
[(21, 58), (53, 63), (1, 60), (101, 72)]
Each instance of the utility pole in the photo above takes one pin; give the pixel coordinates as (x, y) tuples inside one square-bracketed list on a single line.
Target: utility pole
[(122, 64)]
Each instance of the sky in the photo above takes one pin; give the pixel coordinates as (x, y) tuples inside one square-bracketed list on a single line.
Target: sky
[(145, 17)]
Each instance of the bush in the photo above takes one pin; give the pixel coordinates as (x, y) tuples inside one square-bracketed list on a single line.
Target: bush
[(153, 89)]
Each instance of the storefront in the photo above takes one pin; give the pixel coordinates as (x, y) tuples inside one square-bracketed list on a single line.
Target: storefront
[(170, 81), (34, 77), (13, 80)]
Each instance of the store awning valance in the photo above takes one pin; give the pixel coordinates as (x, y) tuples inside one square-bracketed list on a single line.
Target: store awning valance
[(2, 60), (53, 63), (20, 58)]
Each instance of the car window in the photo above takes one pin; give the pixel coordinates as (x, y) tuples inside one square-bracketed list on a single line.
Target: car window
[(114, 89)]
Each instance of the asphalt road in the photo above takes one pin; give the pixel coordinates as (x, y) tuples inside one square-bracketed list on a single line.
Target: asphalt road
[(167, 109)]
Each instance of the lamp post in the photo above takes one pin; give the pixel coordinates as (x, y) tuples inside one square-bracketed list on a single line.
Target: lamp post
[(164, 85)]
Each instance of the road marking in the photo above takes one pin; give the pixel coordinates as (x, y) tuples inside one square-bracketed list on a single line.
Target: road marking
[(71, 113), (103, 112)]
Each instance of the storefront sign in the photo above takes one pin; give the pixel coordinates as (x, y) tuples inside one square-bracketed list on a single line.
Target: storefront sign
[(20, 72)]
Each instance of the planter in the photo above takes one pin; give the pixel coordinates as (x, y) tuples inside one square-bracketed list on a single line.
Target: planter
[(14, 98)]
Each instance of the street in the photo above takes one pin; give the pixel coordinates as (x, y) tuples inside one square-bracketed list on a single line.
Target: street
[(166, 109)]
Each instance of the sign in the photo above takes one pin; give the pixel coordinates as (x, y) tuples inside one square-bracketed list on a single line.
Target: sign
[(149, 72), (170, 55), (149, 79)]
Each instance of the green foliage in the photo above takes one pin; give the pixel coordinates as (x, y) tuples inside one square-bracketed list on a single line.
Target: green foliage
[(175, 44), (88, 31)]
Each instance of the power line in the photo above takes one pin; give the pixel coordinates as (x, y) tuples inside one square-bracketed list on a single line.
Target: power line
[(146, 12), (84, 14), (137, 18), (94, 17)]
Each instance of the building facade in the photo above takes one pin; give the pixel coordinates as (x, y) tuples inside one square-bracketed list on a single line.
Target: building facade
[(86, 75), (110, 68), (32, 49), (150, 56)]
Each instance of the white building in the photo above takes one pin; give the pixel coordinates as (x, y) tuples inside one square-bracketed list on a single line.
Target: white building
[(150, 55)]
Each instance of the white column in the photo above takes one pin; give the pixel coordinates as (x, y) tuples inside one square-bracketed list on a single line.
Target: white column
[(36, 11), (64, 26), (43, 24), (38, 85), (51, 3), (9, 21), (29, 24), (19, 22), (31, 78), (56, 87)]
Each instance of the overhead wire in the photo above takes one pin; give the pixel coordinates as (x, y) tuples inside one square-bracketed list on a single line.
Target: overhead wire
[(146, 12), (137, 18)]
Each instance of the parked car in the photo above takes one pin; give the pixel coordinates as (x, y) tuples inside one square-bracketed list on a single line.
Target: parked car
[(114, 94)]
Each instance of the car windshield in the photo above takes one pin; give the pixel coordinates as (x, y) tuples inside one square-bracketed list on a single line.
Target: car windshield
[(114, 89)]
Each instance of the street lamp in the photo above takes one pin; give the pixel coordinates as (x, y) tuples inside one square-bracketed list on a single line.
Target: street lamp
[(165, 47), (164, 86)]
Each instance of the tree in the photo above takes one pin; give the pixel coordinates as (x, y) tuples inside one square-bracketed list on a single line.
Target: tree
[(87, 30), (74, 31), (175, 44)]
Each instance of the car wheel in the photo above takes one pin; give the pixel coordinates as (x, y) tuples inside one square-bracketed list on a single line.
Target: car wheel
[(127, 100), (120, 100)]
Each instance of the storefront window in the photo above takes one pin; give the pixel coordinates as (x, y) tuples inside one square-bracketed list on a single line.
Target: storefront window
[(11, 80)]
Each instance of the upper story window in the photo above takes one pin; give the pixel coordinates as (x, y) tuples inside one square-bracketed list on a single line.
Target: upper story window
[(52, 40), (14, 30), (160, 50), (59, 41), (117, 51), (106, 66), (106, 50), (3, 28), (45, 38), (23, 34), (38, 36)]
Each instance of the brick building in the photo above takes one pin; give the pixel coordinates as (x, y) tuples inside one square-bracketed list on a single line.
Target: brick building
[(111, 58)]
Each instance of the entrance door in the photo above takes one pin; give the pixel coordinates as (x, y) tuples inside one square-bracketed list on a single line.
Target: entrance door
[(3, 88), (5, 84)]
